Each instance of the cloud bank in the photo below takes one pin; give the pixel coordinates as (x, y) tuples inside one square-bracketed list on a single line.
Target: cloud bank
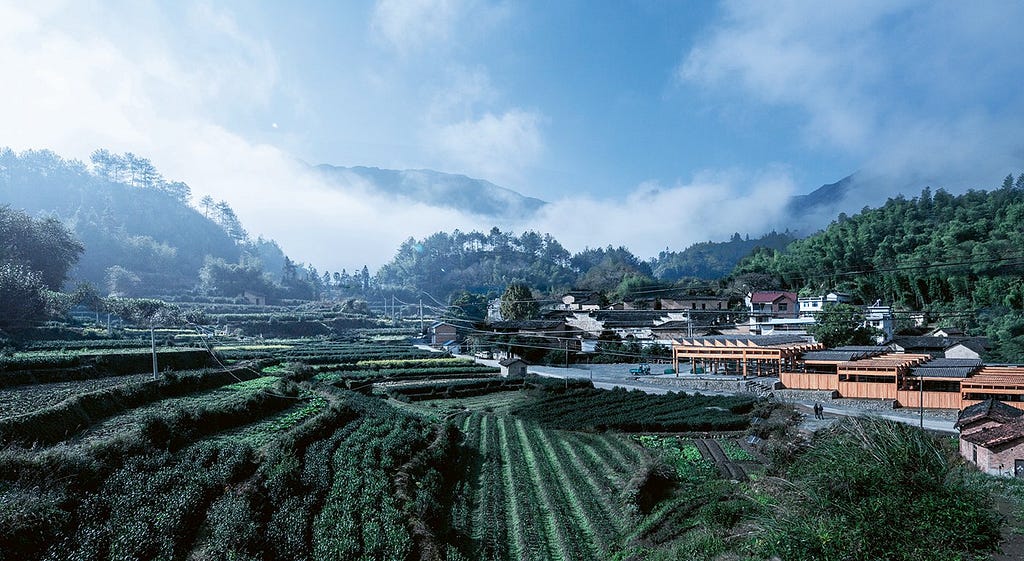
[(920, 91), (914, 89)]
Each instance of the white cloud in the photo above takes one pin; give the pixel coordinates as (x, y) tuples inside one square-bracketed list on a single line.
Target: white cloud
[(912, 86), (73, 92), (494, 146), (652, 217), (415, 26)]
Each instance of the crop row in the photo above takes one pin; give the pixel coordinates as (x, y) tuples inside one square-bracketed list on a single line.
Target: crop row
[(55, 423), (590, 409), (44, 367), (355, 480), (544, 494), (455, 389)]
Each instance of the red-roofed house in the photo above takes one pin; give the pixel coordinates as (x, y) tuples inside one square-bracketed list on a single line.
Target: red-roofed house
[(775, 310), (773, 303)]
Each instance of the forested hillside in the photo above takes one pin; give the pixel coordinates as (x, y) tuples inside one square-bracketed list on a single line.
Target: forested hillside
[(958, 256), (443, 264), (714, 260), (139, 232)]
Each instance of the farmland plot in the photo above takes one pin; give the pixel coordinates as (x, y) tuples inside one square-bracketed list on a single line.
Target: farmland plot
[(544, 494)]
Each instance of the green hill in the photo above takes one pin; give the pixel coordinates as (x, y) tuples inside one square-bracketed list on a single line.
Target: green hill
[(140, 234), (959, 257)]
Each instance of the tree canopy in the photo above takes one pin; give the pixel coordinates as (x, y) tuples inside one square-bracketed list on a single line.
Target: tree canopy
[(957, 257), (35, 256), (842, 324), (517, 303)]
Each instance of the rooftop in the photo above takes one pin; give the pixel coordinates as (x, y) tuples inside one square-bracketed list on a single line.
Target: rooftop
[(766, 296), (997, 437), (992, 409), (746, 340)]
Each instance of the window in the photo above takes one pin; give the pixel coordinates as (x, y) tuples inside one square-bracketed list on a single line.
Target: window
[(783, 306)]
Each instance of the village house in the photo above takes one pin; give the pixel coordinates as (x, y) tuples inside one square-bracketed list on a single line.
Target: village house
[(941, 346), (692, 303), (880, 317), (581, 300), (513, 368), (809, 306), (992, 437), (628, 325), (775, 311), (254, 298), (441, 333)]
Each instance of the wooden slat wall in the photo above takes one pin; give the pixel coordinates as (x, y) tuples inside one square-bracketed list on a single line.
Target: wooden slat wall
[(935, 400), (803, 381), (872, 390)]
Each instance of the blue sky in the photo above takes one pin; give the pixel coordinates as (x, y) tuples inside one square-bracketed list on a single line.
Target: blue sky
[(687, 120)]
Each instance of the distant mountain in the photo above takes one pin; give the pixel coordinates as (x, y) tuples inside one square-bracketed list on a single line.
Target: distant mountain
[(809, 213), (434, 188), (826, 196)]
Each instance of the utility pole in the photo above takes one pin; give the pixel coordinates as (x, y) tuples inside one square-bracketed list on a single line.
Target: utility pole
[(920, 382), (152, 342), (421, 314)]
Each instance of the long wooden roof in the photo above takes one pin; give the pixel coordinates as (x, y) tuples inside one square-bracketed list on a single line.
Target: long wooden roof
[(885, 362), (749, 341), (1002, 376)]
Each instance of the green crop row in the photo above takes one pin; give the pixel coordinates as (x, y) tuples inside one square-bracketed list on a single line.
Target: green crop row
[(636, 411), (77, 413)]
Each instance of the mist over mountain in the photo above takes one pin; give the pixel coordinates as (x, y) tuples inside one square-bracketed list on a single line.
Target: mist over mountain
[(140, 235), (808, 213), (434, 188)]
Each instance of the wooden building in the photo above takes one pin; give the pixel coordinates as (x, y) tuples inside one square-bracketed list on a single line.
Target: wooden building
[(746, 355), (1005, 383), (442, 332)]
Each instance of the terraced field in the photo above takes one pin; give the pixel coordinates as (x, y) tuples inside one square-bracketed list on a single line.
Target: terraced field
[(278, 460)]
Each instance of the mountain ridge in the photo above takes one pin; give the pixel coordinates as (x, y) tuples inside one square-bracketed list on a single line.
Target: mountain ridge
[(440, 189)]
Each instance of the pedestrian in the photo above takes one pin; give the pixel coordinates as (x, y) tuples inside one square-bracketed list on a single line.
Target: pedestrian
[(817, 410)]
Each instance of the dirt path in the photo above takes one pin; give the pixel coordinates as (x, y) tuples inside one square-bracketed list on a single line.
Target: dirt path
[(711, 450), (1013, 542)]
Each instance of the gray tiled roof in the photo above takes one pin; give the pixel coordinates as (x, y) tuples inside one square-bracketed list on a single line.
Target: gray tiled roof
[(835, 355), (952, 363), (948, 372)]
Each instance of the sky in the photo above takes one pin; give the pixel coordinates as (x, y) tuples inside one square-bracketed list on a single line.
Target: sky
[(646, 123)]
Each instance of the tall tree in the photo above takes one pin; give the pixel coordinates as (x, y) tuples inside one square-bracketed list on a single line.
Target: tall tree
[(517, 303), (842, 324), (43, 246)]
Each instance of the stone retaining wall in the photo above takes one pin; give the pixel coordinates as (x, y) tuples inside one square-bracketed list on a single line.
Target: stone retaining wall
[(697, 384)]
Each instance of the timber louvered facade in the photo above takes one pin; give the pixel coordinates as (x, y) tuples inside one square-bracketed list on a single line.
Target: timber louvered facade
[(909, 380)]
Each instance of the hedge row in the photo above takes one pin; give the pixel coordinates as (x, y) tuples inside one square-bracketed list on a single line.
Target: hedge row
[(41, 368), (456, 389), (73, 415)]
